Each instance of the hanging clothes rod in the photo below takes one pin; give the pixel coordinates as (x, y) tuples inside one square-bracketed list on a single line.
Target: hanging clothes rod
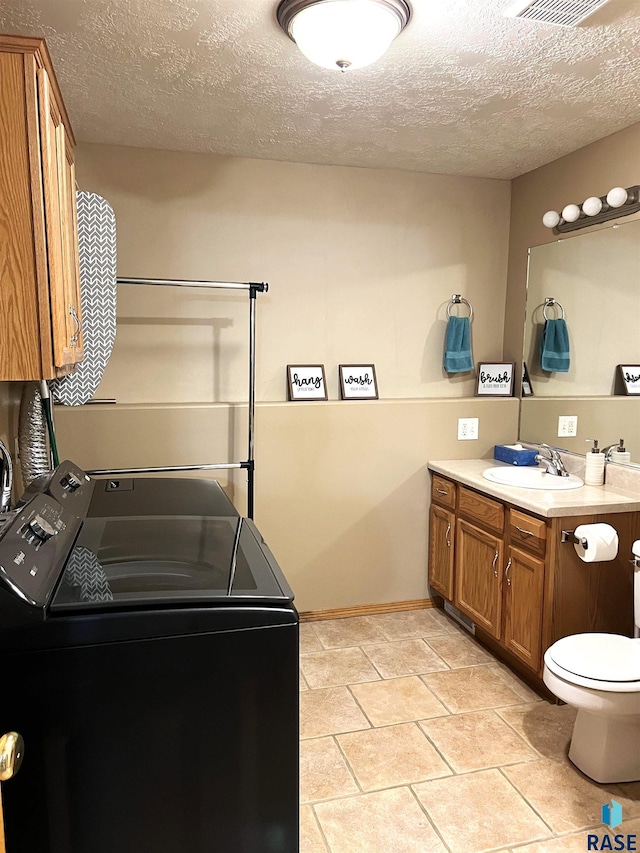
[(254, 288), (260, 287)]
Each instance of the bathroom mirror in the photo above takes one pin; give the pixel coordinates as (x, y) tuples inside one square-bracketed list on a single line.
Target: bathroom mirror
[(594, 278)]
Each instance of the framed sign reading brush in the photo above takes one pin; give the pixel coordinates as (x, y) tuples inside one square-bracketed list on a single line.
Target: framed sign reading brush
[(495, 379), (630, 376), (358, 382), (306, 382)]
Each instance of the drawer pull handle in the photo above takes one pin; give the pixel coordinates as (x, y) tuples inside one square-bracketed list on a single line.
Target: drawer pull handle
[(524, 532), (446, 535), (495, 560), (506, 572), (442, 491)]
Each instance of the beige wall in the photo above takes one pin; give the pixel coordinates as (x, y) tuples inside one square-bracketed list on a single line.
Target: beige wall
[(361, 264), (342, 491)]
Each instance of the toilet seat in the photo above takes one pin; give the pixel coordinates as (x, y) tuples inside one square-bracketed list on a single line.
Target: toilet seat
[(607, 662)]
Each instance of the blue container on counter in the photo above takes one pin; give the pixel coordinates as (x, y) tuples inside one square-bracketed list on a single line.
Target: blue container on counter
[(514, 454)]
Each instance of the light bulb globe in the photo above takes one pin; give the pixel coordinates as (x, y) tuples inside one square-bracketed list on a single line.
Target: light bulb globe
[(592, 205), (551, 219), (617, 197), (571, 213)]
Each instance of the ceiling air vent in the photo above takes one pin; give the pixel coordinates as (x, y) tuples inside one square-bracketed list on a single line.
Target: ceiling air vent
[(566, 13)]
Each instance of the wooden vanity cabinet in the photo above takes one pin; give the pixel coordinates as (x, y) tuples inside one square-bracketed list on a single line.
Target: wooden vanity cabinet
[(510, 573), (495, 574), (40, 322)]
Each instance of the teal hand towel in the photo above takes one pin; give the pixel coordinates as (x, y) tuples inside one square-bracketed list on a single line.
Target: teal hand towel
[(554, 347), (458, 357)]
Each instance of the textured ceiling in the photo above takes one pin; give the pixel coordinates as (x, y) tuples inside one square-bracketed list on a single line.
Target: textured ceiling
[(462, 91)]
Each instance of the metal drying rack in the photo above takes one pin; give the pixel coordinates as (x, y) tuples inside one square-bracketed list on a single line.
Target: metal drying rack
[(249, 465)]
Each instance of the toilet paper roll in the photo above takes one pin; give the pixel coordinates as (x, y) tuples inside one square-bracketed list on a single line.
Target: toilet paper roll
[(602, 542)]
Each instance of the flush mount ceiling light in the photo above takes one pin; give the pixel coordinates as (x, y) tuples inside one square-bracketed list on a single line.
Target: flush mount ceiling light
[(343, 34)]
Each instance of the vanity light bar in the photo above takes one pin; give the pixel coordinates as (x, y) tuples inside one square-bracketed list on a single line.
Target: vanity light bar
[(617, 202)]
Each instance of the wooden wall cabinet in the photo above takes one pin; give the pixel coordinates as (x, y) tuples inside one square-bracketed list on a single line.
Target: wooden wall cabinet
[(40, 319), (508, 571)]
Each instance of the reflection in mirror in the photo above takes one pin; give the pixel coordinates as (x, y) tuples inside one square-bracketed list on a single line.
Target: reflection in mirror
[(594, 279)]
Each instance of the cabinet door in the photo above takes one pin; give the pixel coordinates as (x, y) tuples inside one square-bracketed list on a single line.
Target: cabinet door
[(441, 533), (54, 179), (478, 576), (524, 583)]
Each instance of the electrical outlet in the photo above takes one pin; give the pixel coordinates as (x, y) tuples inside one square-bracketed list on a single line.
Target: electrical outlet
[(567, 425), (467, 429)]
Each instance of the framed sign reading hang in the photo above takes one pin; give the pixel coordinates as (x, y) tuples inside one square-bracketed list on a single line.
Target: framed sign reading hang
[(306, 382), (358, 382)]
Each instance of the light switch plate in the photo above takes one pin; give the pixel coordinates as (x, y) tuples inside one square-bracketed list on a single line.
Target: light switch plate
[(567, 425), (467, 429)]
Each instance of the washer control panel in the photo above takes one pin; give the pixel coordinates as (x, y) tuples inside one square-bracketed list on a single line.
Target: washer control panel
[(34, 547), (68, 485)]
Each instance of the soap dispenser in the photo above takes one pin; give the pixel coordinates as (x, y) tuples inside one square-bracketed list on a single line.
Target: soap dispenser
[(619, 453), (594, 473)]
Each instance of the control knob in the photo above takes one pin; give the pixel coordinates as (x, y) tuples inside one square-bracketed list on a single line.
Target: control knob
[(38, 531), (70, 482)]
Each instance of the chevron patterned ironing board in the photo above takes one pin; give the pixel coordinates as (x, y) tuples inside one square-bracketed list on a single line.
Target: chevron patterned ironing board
[(97, 248)]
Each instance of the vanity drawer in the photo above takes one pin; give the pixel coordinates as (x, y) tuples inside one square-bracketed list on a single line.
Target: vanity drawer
[(443, 491), (479, 508), (527, 532)]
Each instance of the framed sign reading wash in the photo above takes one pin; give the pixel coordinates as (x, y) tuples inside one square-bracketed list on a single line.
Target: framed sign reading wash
[(358, 382)]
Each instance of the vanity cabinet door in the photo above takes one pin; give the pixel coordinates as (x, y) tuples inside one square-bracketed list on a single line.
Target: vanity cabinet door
[(441, 535), (523, 599), (478, 577)]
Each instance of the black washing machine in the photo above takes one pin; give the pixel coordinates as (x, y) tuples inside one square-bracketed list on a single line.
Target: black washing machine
[(149, 659)]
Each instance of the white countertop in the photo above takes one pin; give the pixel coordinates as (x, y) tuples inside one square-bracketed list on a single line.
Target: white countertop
[(586, 500)]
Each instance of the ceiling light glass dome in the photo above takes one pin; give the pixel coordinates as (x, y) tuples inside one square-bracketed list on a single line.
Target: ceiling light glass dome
[(343, 34)]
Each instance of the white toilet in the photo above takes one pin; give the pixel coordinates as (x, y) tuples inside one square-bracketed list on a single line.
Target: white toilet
[(599, 674)]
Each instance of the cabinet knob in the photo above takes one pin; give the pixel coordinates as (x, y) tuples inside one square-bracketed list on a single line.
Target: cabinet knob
[(506, 572), (523, 531), (11, 752), (446, 535), (442, 491), (495, 560)]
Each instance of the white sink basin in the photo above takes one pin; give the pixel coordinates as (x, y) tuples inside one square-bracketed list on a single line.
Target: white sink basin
[(531, 478)]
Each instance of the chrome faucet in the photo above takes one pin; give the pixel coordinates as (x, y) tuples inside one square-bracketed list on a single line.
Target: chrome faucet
[(553, 461), (6, 479)]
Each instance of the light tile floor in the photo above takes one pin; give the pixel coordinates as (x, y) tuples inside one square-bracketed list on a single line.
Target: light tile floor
[(414, 739)]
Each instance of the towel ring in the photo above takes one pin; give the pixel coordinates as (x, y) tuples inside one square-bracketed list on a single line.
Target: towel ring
[(456, 299), (551, 302)]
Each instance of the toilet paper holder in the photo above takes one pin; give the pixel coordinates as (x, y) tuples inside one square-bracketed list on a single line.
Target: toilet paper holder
[(570, 536)]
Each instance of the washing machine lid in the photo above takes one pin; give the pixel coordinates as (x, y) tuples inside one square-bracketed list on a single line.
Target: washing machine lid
[(601, 657), (159, 561)]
